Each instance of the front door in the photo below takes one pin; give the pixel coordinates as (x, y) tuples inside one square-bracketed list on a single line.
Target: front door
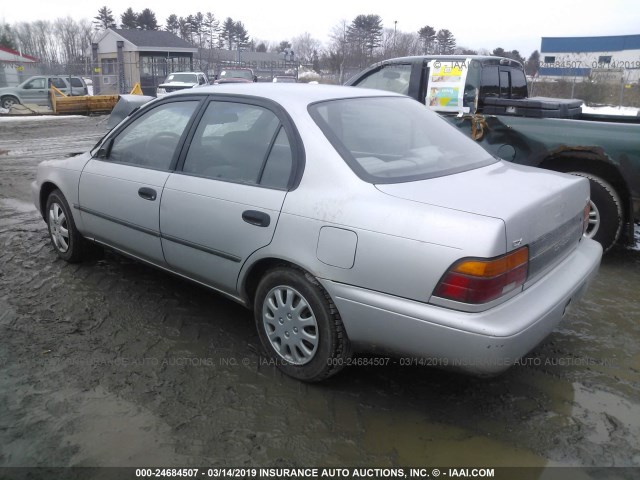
[(119, 195)]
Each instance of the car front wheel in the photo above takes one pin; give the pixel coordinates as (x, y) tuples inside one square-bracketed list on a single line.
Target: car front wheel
[(299, 326), (8, 102), (66, 240)]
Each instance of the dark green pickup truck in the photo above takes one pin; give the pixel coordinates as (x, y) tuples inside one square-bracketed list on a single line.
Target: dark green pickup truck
[(487, 98)]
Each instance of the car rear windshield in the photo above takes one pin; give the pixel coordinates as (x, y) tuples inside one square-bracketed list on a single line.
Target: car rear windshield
[(396, 139), (236, 73), (182, 77)]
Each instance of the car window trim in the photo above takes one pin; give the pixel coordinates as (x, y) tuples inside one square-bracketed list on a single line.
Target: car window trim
[(143, 111), (295, 141)]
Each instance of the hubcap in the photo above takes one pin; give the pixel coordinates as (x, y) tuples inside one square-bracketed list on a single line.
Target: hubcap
[(290, 325), (59, 228), (594, 221)]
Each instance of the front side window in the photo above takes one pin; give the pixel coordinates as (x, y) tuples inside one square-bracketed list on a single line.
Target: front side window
[(392, 78), (240, 143), (36, 84), (151, 140), (395, 139)]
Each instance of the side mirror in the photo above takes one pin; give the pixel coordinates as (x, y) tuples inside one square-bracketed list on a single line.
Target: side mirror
[(105, 149)]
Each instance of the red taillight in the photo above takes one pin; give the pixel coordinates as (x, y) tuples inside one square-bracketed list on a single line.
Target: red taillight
[(480, 281)]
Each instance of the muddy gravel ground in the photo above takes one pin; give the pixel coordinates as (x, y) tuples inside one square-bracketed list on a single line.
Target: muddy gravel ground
[(111, 362)]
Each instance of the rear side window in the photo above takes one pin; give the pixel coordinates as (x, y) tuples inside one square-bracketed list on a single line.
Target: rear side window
[(240, 143), (76, 82), (395, 139), (58, 83), (392, 78), (518, 84)]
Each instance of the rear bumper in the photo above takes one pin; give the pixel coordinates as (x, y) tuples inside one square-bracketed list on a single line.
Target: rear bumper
[(483, 343)]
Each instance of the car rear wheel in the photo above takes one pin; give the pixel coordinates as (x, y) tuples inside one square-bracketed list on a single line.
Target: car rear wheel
[(66, 240), (299, 326), (8, 102), (606, 216)]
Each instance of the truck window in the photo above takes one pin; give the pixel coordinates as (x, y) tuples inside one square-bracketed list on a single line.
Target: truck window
[(504, 84), (393, 78), (518, 84), (490, 82)]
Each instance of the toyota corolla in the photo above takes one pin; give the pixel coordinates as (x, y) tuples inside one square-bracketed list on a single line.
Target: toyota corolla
[(348, 221)]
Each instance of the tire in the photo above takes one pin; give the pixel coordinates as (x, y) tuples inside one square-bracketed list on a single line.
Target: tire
[(8, 102), (606, 217), (65, 238), (299, 326)]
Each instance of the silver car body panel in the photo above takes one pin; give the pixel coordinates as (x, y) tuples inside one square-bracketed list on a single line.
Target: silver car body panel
[(214, 248), (482, 343), (113, 212), (378, 250)]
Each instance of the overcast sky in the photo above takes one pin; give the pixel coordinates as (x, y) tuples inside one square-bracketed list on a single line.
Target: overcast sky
[(510, 24)]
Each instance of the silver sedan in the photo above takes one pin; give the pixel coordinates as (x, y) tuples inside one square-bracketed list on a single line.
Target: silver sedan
[(348, 220)]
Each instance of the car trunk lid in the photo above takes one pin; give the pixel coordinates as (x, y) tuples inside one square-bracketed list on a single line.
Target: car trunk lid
[(539, 208)]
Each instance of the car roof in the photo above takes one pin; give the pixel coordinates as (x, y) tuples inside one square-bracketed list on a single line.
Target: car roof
[(289, 93), (453, 58)]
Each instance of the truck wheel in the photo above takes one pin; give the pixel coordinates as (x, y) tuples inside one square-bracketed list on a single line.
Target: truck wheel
[(8, 102), (606, 216), (299, 326)]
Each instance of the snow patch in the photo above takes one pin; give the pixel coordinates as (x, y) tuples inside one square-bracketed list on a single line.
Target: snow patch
[(32, 118), (609, 110)]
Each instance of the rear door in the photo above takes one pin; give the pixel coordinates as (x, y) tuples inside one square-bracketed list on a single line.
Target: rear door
[(119, 194), (225, 203)]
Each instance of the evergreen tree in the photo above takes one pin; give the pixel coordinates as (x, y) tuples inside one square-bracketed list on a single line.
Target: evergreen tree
[(129, 19), (446, 42), (365, 33), (427, 36), (532, 65), (147, 20), (172, 24), (241, 35), (104, 19), (228, 35)]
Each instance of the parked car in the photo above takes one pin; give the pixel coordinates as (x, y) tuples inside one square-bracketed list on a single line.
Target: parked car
[(487, 98), (35, 90), (181, 80), (284, 79), (347, 219), (235, 75)]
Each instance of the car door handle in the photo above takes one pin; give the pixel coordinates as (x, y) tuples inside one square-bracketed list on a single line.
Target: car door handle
[(259, 219), (148, 193)]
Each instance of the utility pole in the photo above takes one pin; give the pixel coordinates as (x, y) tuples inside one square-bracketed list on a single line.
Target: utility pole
[(395, 31)]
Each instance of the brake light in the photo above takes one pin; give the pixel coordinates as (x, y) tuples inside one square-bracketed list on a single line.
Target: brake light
[(482, 280), (585, 217)]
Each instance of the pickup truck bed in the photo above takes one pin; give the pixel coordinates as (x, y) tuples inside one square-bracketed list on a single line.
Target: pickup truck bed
[(487, 98)]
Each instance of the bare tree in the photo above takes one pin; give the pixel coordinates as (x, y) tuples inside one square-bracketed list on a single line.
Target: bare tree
[(304, 47)]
